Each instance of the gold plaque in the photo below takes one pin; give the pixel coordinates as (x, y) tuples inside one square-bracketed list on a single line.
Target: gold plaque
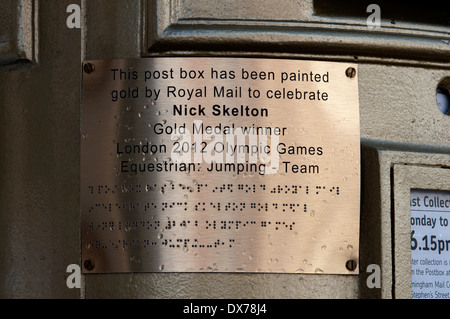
[(220, 165)]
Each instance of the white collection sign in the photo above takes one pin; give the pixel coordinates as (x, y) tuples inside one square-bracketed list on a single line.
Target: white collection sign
[(430, 244)]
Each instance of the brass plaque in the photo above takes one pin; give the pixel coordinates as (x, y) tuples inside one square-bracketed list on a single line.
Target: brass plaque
[(220, 165)]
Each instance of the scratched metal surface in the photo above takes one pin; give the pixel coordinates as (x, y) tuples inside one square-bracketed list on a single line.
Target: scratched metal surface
[(279, 221)]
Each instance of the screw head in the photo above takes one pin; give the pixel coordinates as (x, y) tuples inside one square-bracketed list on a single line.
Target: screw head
[(88, 67), (89, 264), (351, 264), (350, 72)]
